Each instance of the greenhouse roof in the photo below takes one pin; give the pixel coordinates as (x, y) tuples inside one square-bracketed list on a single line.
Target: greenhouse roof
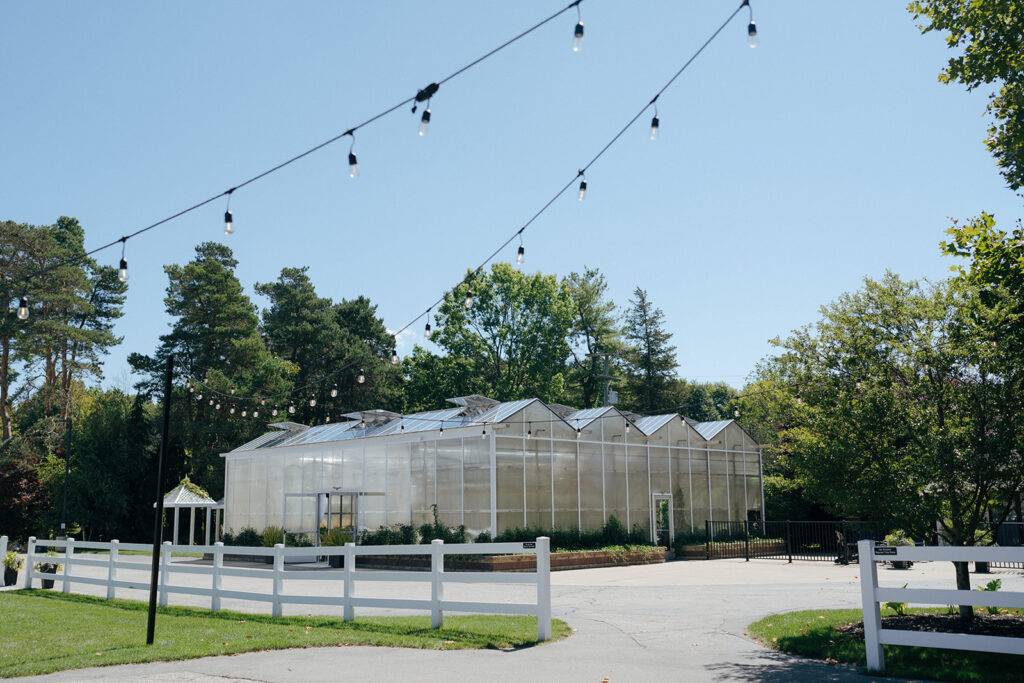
[(469, 411)]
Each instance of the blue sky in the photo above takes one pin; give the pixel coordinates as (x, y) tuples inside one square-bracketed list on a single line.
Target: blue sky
[(782, 177)]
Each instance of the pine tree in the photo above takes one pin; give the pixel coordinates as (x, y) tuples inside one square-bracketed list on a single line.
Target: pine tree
[(651, 360)]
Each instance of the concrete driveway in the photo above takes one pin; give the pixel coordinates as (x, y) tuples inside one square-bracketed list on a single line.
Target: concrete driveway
[(679, 621)]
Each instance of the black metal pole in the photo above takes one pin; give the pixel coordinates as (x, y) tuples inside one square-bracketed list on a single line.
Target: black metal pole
[(67, 471), (159, 517)]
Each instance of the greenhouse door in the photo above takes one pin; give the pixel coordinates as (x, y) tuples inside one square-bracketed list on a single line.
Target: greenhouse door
[(662, 522)]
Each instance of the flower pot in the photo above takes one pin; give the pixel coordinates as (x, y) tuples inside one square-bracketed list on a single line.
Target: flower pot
[(47, 583), (10, 576), (336, 561), (901, 564)]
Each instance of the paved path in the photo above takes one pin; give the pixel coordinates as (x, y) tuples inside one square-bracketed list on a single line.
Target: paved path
[(679, 621)]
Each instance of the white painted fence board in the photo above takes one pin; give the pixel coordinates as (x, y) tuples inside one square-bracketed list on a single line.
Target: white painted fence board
[(953, 641), (932, 596), (312, 575), (418, 605), (952, 553), (385, 575), (496, 607), (332, 600), (486, 577), (188, 569), (251, 573), (86, 561), (245, 595)]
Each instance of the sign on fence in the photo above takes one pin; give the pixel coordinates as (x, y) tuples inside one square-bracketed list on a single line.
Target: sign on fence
[(348, 578)]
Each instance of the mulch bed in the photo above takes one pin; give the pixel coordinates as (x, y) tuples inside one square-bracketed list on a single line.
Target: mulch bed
[(1011, 625)]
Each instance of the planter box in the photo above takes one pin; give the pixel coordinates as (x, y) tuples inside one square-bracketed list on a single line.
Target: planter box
[(734, 549), (10, 577), (587, 559)]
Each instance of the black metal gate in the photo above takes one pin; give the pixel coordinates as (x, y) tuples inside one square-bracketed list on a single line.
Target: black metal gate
[(1009, 534), (789, 540)]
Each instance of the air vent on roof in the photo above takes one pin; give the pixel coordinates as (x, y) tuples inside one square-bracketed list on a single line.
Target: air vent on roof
[(288, 426), (475, 404), (373, 417)]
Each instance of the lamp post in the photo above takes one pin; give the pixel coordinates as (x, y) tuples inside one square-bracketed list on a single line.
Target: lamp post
[(67, 471)]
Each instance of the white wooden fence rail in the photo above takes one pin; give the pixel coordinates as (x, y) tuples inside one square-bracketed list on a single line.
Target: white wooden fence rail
[(872, 594), (348, 577)]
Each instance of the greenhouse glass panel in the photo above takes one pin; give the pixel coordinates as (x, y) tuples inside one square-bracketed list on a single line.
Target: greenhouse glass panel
[(615, 481), (538, 483), (510, 456), (699, 492), (258, 493), (371, 507), (566, 511), (639, 490), (352, 467), (477, 481), (591, 500), (275, 485), (719, 487), (422, 454), (399, 481), (449, 481)]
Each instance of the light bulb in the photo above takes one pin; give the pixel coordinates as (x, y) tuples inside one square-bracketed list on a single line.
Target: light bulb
[(312, 401), (394, 356), (211, 401), (752, 35), (799, 400), (255, 413), (228, 230), (577, 38), (627, 428), (199, 397), (191, 389), (244, 412), (520, 254), (328, 418), (403, 429), (654, 128), (484, 434), (354, 165), (736, 412), (274, 411), (362, 424), (291, 409), (232, 411), (441, 431), (23, 308), (529, 433), (583, 189), (122, 271), (217, 406), (361, 378), (334, 391), (426, 332), (469, 297), (578, 432), (424, 122)]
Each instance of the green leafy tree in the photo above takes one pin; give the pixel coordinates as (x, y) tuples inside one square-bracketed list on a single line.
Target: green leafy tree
[(651, 359), (901, 411), (513, 337), (703, 401), (594, 330), (988, 35)]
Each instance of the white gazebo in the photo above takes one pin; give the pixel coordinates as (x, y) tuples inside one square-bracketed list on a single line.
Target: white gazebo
[(188, 495)]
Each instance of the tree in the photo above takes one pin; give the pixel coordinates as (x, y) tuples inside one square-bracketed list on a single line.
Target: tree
[(989, 34), (903, 408), (594, 329), (651, 360), (703, 401), (514, 335)]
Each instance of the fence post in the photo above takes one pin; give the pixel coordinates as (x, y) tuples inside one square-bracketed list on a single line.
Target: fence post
[(29, 560), (218, 564), (746, 537), (707, 539), (789, 542), (350, 569), (543, 588), (436, 583), (278, 577), (69, 552), (165, 564), (3, 549), (872, 616), (112, 569)]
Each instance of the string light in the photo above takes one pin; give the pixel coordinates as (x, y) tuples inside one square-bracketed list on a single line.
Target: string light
[(23, 308), (394, 356), (328, 419), (217, 406), (469, 297), (362, 377), (232, 411), (362, 424), (211, 401), (122, 268), (583, 188), (627, 428), (273, 412), (426, 330), (353, 163), (529, 432), (244, 412), (334, 391), (312, 401), (440, 432), (425, 121), (655, 122), (291, 408), (199, 397), (736, 412), (228, 229), (752, 38), (256, 413), (483, 435), (577, 34), (521, 254)]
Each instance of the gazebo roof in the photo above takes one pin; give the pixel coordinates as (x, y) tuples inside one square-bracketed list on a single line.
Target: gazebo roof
[(188, 495)]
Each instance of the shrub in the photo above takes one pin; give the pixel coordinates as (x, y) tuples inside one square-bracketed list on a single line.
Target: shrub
[(228, 537), (296, 540), (272, 535), (898, 537), (993, 585), (484, 537), (398, 534), (50, 566), (448, 534), (336, 536), (248, 537)]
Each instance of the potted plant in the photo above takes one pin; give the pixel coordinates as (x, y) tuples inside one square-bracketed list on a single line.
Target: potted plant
[(334, 537), (13, 562), (49, 567), (899, 537)]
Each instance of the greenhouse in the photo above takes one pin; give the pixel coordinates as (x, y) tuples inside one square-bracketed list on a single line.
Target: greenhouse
[(493, 466)]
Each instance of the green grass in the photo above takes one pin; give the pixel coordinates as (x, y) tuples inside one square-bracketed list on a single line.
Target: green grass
[(813, 633), (42, 632)]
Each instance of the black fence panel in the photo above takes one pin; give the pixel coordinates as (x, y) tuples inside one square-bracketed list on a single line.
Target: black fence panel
[(1011, 535), (789, 540)]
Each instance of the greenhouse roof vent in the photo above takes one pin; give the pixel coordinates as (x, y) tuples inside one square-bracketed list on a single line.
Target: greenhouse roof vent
[(373, 417), (288, 426), (475, 404)]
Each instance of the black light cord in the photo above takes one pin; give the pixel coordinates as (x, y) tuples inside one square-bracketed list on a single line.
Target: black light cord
[(351, 131)]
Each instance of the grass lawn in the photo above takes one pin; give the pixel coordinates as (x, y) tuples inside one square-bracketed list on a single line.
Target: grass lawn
[(813, 633), (42, 631)]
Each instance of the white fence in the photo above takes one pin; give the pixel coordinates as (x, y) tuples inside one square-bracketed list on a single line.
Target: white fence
[(277, 597), (872, 594)]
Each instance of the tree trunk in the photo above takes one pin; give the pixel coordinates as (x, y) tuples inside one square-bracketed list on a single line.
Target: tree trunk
[(963, 583), (5, 356)]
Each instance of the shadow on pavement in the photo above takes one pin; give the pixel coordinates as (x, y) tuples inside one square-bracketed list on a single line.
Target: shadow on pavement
[(776, 667)]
